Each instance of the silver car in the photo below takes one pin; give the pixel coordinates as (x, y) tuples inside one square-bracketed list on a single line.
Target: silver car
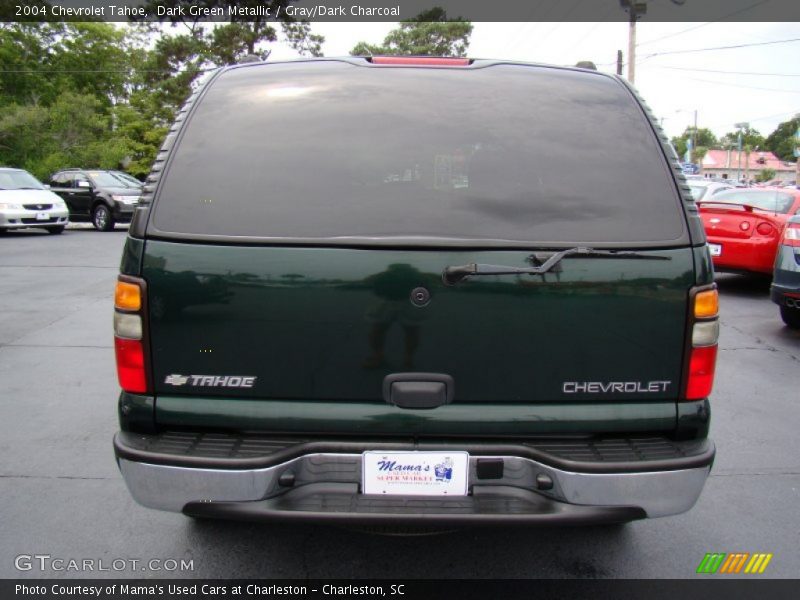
[(25, 202)]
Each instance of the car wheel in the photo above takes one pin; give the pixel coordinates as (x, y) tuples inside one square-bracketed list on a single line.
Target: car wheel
[(56, 230), (791, 316), (102, 219)]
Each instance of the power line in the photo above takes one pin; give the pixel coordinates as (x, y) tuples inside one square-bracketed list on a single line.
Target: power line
[(747, 87), (734, 13), (754, 119), (674, 34), (720, 48), (708, 49), (791, 112), (725, 72), (579, 44)]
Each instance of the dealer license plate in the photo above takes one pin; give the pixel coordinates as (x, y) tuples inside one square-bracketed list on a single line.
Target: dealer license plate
[(716, 249), (415, 473), (42, 216)]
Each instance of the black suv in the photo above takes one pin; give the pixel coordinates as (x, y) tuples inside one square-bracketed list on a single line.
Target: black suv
[(97, 196), (378, 291)]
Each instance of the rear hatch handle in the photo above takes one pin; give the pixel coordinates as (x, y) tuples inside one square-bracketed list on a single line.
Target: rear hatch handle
[(544, 263)]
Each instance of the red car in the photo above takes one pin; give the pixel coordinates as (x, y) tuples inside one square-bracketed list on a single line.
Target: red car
[(744, 226)]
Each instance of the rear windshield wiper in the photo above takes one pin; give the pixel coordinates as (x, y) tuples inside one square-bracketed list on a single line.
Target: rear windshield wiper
[(454, 274)]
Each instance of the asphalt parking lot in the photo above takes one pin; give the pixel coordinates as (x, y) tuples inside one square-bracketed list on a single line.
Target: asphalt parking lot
[(63, 496)]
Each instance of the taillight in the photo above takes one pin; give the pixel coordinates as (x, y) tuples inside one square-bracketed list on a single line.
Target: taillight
[(129, 333), (791, 235), (130, 365), (765, 228), (703, 338), (701, 372)]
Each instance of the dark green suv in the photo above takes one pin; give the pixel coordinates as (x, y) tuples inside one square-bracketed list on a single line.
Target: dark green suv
[(436, 291)]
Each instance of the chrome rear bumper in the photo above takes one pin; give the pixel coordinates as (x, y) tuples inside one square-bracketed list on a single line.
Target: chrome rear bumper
[(326, 484)]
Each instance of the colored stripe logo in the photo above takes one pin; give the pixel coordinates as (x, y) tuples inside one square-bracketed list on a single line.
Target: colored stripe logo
[(734, 563)]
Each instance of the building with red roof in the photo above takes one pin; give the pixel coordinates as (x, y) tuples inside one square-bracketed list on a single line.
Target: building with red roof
[(732, 164)]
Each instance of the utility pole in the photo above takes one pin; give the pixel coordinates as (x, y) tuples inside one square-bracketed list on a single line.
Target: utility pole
[(619, 62), (741, 127), (635, 10), (694, 138), (632, 46)]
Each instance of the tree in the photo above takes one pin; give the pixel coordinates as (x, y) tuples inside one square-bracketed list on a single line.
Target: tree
[(93, 94), (705, 139), (750, 137), (39, 61), (73, 131), (430, 33), (782, 142), (178, 60), (300, 38)]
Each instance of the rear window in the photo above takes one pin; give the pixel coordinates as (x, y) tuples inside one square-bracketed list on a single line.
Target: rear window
[(332, 150), (767, 200)]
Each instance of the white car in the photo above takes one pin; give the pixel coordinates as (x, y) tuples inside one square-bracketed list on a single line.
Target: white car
[(703, 189), (25, 202)]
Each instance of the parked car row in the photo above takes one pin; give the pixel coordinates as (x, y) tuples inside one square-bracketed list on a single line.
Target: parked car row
[(756, 230), (102, 197), (25, 202), (705, 188)]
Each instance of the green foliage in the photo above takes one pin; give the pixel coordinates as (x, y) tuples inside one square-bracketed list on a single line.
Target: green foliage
[(699, 153), (751, 139), (142, 136), (766, 175), (705, 139), (73, 131), (299, 36), (430, 33), (41, 60), (782, 142)]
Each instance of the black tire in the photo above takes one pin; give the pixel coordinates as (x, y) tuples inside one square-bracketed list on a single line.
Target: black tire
[(56, 230), (791, 316), (102, 219)]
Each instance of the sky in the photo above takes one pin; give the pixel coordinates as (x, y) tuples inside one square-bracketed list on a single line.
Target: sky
[(758, 84)]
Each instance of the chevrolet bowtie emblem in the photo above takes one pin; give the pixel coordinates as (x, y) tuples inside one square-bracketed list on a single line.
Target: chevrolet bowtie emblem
[(176, 379)]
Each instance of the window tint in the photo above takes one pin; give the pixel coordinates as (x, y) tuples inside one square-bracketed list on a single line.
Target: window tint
[(329, 149), (61, 180), (127, 180), (104, 179), (769, 200)]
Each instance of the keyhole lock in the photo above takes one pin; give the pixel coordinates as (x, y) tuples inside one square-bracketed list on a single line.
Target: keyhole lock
[(420, 296)]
